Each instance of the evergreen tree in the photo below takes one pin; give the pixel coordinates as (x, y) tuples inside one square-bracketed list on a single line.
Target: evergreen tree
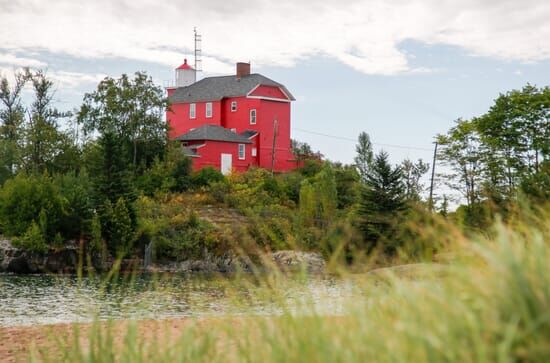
[(382, 202), (364, 158), (12, 116), (110, 171), (117, 226), (44, 141)]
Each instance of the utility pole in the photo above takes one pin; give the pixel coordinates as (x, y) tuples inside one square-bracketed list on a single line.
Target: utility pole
[(273, 147), (430, 201)]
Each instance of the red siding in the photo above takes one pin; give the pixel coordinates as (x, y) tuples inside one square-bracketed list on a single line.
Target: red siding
[(210, 155), (271, 92), (266, 113), (240, 119), (271, 111), (179, 120)]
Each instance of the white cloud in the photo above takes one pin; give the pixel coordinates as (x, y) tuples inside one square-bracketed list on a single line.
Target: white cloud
[(73, 79), (13, 60), (364, 34)]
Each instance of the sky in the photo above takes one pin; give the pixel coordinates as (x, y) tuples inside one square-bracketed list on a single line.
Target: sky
[(401, 70)]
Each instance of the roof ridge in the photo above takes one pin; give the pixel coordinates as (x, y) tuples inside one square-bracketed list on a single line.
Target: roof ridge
[(218, 87)]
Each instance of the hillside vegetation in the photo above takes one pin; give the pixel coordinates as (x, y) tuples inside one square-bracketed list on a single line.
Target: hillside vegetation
[(107, 177)]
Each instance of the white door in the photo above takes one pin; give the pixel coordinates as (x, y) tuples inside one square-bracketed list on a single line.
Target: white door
[(227, 160)]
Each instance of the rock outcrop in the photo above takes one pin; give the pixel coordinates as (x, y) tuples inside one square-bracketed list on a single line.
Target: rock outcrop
[(16, 260), (66, 259), (287, 261), (312, 262)]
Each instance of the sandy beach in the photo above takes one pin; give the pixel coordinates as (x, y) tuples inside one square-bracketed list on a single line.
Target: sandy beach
[(17, 342)]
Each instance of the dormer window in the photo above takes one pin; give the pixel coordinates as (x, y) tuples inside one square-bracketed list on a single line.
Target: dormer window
[(253, 117), (193, 110), (233, 106), (208, 109)]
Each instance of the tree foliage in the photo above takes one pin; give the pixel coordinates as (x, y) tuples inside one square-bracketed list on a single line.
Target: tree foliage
[(382, 202), (26, 197), (318, 198), (365, 156), (131, 111), (492, 155), (412, 173)]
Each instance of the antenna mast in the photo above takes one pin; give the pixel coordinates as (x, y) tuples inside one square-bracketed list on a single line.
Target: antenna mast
[(198, 53)]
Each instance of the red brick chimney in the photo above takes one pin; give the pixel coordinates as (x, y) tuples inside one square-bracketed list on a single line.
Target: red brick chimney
[(243, 69)]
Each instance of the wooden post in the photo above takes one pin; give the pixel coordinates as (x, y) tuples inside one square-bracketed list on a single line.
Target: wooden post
[(273, 147)]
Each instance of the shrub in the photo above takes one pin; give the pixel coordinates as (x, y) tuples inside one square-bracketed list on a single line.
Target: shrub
[(77, 192), (310, 168), (290, 184), (318, 198), (206, 176), (20, 200), (180, 237), (181, 173), (32, 240), (117, 226), (156, 178), (219, 190)]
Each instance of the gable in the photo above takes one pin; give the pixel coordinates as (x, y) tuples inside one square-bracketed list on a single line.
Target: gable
[(268, 92)]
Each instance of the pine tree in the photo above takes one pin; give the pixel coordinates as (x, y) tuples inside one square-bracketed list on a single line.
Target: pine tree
[(117, 226), (364, 157), (382, 202)]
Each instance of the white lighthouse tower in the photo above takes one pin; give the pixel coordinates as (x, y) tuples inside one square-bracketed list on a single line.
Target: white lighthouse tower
[(185, 75)]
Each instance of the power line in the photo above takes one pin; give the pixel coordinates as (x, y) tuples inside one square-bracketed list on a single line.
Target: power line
[(355, 140)]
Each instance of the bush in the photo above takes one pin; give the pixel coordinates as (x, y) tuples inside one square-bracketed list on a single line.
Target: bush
[(156, 178), (179, 237), (220, 190), (290, 184), (117, 226), (181, 173), (318, 198), (25, 195), (77, 192), (206, 176), (32, 240)]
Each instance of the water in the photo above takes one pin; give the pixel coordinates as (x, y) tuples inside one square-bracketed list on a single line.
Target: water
[(47, 299)]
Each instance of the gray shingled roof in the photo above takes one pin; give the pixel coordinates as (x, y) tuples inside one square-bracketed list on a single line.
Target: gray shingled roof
[(216, 88), (249, 133), (190, 151), (214, 133)]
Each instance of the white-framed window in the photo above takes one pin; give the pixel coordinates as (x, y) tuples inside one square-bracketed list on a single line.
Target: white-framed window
[(193, 110), (254, 151), (233, 106), (234, 130), (208, 109), (253, 116), (242, 150)]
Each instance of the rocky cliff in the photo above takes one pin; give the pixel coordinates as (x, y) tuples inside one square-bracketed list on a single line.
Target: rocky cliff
[(18, 261), (66, 260)]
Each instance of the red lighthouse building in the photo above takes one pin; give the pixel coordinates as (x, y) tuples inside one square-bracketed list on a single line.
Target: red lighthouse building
[(232, 122)]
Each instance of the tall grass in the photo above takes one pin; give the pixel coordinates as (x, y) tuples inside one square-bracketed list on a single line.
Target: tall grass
[(489, 303)]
